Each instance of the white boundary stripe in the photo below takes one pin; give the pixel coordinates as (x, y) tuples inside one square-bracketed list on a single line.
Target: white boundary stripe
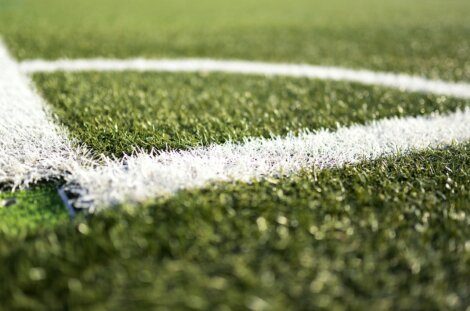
[(400, 81), (32, 148), (144, 176)]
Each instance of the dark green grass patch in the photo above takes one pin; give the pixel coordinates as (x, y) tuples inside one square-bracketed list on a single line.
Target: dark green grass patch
[(114, 113), (30, 211), (422, 37), (391, 234)]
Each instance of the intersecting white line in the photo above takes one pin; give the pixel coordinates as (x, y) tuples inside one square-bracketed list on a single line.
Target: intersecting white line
[(32, 148), (143, 176), (399, 81)]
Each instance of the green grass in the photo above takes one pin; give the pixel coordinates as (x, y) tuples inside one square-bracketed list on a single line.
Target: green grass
[(421, 37), (388, 234), (29, 211), (115, 113), (391, 234)]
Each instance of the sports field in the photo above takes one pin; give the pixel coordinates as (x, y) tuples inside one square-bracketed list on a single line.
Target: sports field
[(261, 155)]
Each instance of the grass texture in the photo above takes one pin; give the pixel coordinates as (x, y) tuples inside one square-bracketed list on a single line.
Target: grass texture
[(387, 234), (422, 37), (391, 234), (114, 113)]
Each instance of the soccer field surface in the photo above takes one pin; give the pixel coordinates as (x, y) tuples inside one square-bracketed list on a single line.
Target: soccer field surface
[(234, 154)]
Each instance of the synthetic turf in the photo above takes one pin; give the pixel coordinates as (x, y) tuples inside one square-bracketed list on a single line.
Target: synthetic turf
[(388, 234), (420, 37), (143, 176), (391, 234), (115, 113)]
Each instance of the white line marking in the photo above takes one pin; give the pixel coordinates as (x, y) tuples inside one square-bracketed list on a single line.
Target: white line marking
[(400, 81), (144, 176), (32, 148)]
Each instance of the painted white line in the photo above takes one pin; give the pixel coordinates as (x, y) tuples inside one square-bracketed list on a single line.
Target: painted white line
[(32, 148), (144, 176), (400, 81)]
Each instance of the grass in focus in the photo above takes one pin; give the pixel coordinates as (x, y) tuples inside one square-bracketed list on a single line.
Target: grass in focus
[(114, 113), (391, 234), (420, 37)]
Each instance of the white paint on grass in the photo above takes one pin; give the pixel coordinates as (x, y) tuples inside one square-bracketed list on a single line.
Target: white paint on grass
[(144, 176), (32, 148), (399, 81)]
